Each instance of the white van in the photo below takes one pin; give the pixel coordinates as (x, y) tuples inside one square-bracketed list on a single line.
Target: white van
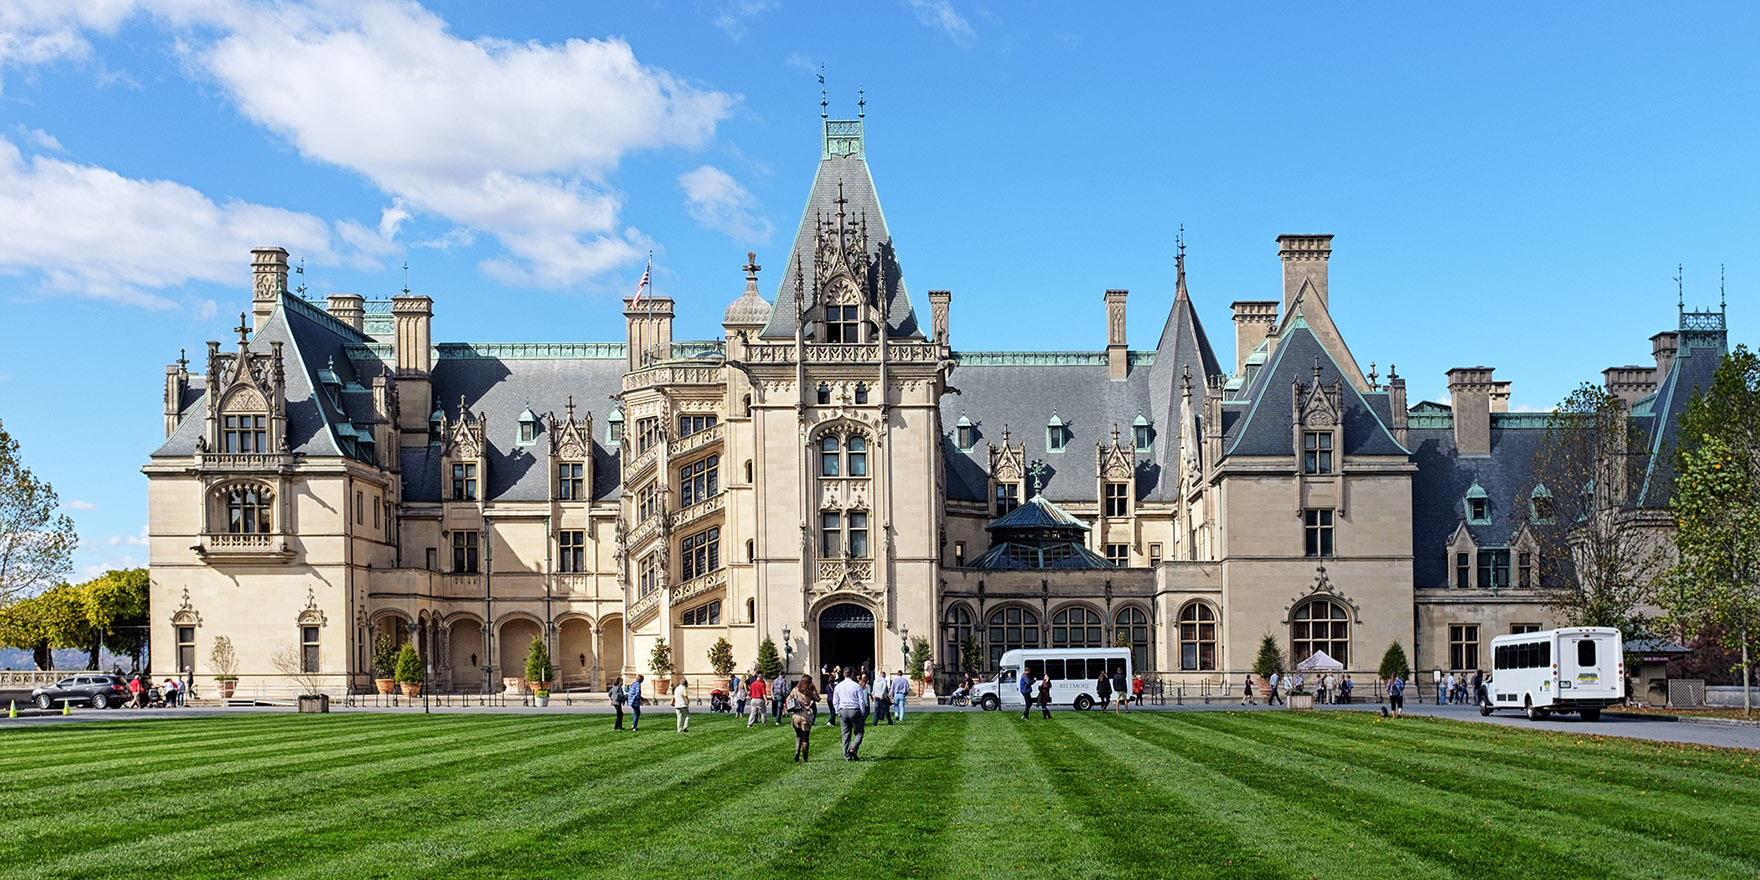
[(1073, 672), (1579, 669)]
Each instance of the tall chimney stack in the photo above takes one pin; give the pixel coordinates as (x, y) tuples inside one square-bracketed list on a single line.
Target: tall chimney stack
[(1470, 391), (269, 282), (1304, 268), (412, 320), (1253, 320), (349, 308), (1117, 355), (1664, 345)]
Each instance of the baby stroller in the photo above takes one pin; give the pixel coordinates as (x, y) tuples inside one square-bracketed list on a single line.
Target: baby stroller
[(718, 701)]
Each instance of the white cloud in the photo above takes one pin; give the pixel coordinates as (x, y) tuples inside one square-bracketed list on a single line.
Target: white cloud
[(96, 233), (206, 310), (457, 236), (732, 18), (941, 15), (34, 32), (77, 504), (718, 201), (515, 140), (135, 540)]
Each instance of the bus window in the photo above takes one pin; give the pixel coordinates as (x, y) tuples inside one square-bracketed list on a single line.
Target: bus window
[(1545, 653), (1035, 669), (1054, 668), (1007, 676), (1586, 653), (1096, 668)]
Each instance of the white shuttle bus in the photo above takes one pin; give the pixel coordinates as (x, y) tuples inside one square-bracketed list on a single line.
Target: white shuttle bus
[(1073, 672), (1580, 669)]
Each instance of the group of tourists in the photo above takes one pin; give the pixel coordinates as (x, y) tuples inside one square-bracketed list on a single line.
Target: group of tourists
[(144, 695), (1110, 690), (1328, 688), (1463, 688)]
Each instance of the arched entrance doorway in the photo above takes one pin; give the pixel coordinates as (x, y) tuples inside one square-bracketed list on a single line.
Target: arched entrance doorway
[(846, 636), (515, 640)]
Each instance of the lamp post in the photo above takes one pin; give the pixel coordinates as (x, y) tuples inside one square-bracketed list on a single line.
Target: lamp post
[(787, 649), (904, 633)]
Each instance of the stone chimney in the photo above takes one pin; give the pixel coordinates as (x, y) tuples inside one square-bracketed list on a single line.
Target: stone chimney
[(176, 383), (648, 330), (1664, 345), (1304, 268), (349, 308), (1253, 320), (1396, 402), (938, 302), (1470, 391), (1630, 383), (1117, 355), (269, 282), (412, 321)]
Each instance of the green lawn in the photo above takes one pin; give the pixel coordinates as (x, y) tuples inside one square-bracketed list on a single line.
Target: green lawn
[(1186, 794)]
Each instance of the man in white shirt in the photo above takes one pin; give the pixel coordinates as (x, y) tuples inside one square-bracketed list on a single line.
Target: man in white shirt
[(846, 701), (1274, 694)]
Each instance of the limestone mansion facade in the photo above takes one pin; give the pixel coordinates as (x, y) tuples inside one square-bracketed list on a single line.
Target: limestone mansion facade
[(837, 475)]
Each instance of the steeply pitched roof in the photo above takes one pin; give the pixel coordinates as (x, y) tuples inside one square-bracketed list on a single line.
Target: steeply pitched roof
[(860, 202), (1184, 350), (1695, 365), (1440, 487), (1266, 429)]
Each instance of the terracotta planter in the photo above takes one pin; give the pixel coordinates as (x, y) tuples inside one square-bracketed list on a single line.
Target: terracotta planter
[(513, 685), (387, 686), (662, 686), (227, 688), (543, 686), (412, 689)]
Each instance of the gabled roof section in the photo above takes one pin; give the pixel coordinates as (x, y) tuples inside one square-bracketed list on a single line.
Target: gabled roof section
[(1184, 351), (1311, 313), (843, 161), (1036, 514), (1703, 345), (1266, 429)]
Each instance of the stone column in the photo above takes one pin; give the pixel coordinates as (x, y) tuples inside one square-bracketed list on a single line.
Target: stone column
[(598, 681)]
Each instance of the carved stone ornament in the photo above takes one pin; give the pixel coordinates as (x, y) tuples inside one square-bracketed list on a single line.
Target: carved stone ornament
[(312, 615), (186, 614)]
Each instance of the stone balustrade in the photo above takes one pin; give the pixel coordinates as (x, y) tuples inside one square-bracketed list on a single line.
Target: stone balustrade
[(252, 545), (692, 442), (707, 507), (699, 585)]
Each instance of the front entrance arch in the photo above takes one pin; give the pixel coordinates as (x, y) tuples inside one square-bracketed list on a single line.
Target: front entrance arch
[(846, 636)]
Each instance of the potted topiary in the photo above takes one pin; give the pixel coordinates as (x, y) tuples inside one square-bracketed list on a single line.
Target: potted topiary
[(660, 663), (385, 664), (225, 663), (538, 671), (409, 670)]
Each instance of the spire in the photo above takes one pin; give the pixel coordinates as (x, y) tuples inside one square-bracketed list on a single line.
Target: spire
[(1179, 263)]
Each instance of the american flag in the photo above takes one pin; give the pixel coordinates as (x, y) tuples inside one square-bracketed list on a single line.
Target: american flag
[(646, 274)]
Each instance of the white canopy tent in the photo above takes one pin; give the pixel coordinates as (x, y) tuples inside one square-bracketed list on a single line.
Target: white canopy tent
[(1319, 662)]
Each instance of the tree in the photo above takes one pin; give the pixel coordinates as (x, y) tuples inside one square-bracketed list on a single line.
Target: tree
[(1604, 556), (61, 611), (660, 659), (1394, 664), (36, 542), (919, 658), (769, 664), (970, 657), (721, 657), (115, 606), (384, 656), (1270, 657), (537, 664), (1121, 638), (409, 665), (223, 659), (21, 626), (1717, 516), (287, 661)]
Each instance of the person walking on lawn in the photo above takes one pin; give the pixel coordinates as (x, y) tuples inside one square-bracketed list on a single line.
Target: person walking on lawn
[(1103, 689), (846, 699), (634, 692), (1271, 696), (681, 704), (779, 687), (901, 688), (1247, 692), (1396, 695), (1120, 691), (882, 698), (800, 702), (1137, 689), (760, 706), (1045, 696), (618, 698)]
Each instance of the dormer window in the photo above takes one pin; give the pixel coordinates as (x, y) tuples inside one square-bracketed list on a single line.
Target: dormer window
[(1316, 452), (1141, 434), (1478, 506), (1056, 434), (965, 434), (840, 324), (528, 427), (464, 482), (824, 394), (1540, 504), (861, 392), (434, 427), (614, 428), (688, 425), (244, 434)]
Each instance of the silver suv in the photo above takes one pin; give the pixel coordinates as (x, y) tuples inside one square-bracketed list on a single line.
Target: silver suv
[(100, 689)]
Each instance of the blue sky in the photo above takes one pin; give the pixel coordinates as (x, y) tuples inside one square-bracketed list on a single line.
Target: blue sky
[(1509, 185)]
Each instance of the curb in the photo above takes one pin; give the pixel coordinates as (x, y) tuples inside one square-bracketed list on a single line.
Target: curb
[(1685, 719)]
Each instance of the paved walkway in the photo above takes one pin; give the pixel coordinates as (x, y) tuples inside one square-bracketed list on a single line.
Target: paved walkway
[(1710, 734)]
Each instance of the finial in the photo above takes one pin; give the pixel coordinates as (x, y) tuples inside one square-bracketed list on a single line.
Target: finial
[(1180, 240), (243, 329), (824, 105), (800, 290), (861, 102), (1372, 385), (1037, 471), (406, 278), (462, 412), (1114, 433), (183, 359), (300, 270), (752, 266), (1316, 369), (1720, 299), (1680, 290), (1392, 372), (1005, 435), (571, 409), (841, 201)]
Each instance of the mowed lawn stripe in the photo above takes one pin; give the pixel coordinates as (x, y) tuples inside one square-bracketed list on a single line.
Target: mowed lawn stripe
[(1425, 821), (1277, 833), (1144, 829), (550, 805), (231, 832), (1684, 835)]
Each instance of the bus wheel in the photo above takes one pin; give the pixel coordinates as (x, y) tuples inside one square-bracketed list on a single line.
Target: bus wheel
[(1534, 714), (1591, 714), (1083, 704), (1484, 708), (991, 704)]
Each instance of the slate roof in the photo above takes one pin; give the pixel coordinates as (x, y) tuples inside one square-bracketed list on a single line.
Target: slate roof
[(1183, 350), (1695, 364), (1439, 491), (861, 201), (1267, 429), (1037, 514), (995, 392)]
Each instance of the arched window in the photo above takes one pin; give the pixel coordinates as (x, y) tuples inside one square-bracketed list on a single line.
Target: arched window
[(1012, 628), (858, 456), (249, 510), (1321, 625), (1134, 624), (1197, 637), (748, 471), (828, 458), (1077, 627), (958, 632), (751, 610), (824, 394), (861, 392)]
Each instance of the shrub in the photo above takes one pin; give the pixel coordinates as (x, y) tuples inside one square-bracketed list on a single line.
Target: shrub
[(384, 656), (1394, 663), (970, 657), (769, 664), (721, 657), (919, 658), (537, 663), (1270, 657), (660, 661), (223, 659), (409, 665)]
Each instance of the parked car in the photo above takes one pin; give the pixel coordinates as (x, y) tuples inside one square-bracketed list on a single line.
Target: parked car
[(102, 690)]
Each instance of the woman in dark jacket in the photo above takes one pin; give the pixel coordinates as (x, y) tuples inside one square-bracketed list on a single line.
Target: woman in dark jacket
[(615, 694), (1103, 689), (1045, 696)]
